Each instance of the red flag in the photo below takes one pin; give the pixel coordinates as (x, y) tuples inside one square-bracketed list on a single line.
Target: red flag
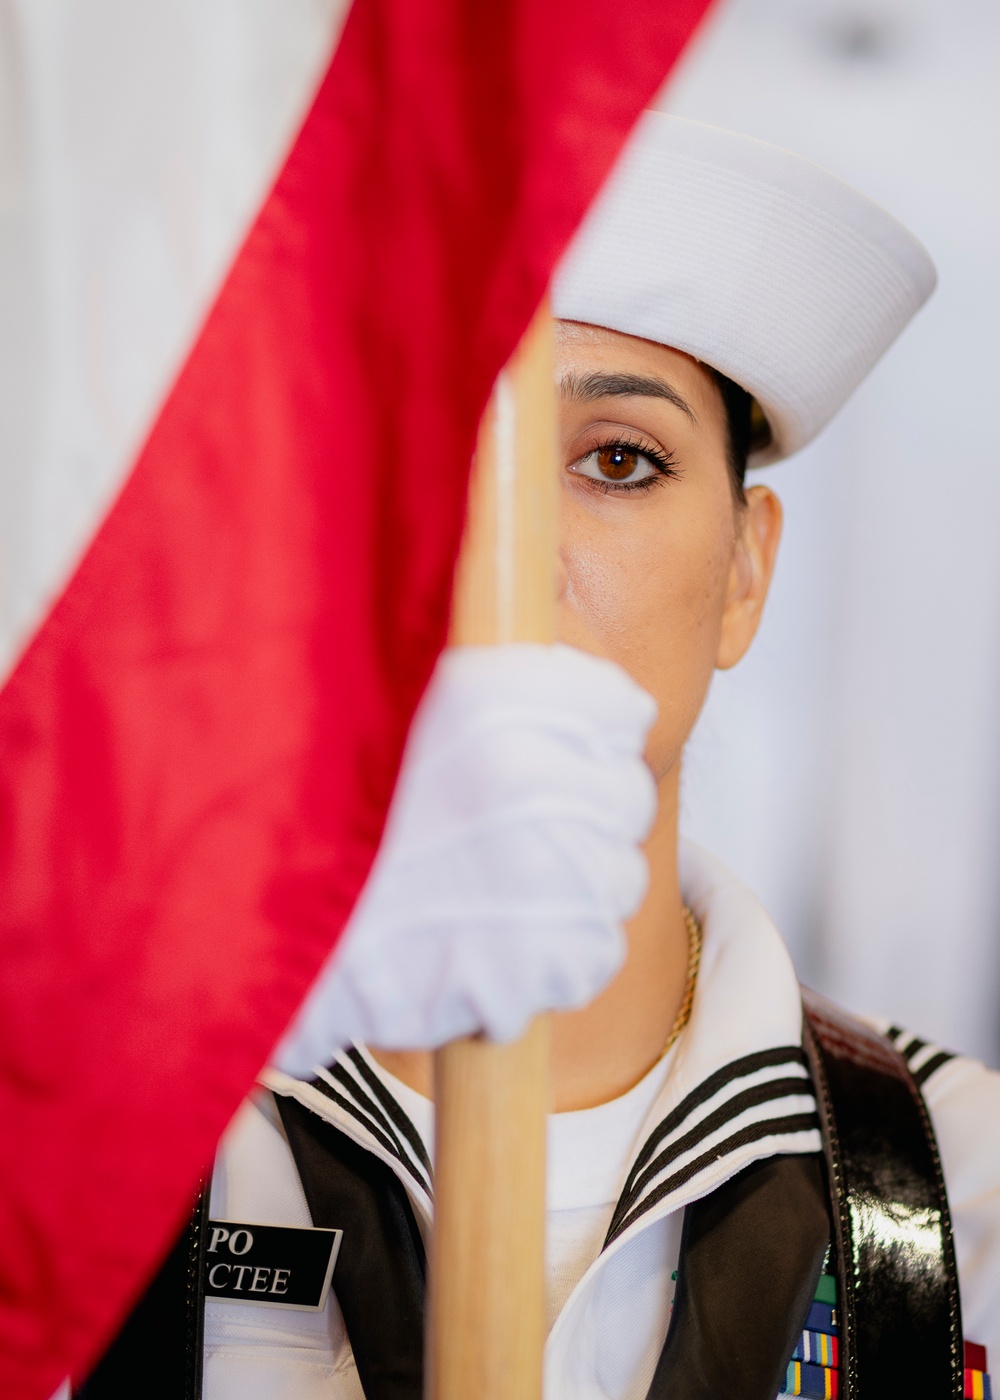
[(200, 741)]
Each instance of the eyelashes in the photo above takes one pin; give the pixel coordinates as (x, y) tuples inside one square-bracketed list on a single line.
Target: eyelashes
[(624, 463)]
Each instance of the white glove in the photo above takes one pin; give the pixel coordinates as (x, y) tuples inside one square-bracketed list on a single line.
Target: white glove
[(510, 857)]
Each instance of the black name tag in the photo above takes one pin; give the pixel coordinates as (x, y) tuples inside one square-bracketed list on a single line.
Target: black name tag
[(272, 1264)]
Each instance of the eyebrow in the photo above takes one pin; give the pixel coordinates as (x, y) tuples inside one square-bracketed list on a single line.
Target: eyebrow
[(588, 387)]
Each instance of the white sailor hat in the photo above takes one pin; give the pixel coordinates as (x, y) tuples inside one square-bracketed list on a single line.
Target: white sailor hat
[(753, 260)]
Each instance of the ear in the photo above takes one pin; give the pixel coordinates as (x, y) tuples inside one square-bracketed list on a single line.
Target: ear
[(758, 530)]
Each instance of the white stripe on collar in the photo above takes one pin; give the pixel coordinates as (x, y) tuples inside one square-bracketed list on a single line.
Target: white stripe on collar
[(922, 1056), (351, 1094), (738, 1090)]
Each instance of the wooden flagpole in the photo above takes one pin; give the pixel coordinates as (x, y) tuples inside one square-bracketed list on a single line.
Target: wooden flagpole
[(487, 1280)]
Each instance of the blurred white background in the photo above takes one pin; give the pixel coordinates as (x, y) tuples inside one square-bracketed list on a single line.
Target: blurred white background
[(849, 769)]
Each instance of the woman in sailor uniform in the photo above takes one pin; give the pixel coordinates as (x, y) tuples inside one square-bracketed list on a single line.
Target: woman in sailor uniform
[(744, 1198)]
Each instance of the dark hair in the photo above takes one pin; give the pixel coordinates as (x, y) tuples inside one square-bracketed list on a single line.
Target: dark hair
[(748, 428)]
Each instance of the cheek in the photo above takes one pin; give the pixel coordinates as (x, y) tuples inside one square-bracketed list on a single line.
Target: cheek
[(648, 590)]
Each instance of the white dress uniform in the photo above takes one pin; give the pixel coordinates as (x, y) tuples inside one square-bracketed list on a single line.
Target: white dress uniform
[(609, 1307)]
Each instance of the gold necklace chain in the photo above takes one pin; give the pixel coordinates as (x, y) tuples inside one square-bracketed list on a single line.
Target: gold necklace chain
[(694, 962)]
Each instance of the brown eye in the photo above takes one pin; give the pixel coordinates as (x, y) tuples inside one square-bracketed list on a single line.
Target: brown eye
[(620, 467), (617, 463)]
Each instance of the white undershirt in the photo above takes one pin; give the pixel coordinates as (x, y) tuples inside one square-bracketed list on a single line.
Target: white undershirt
[(588, 1156)]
